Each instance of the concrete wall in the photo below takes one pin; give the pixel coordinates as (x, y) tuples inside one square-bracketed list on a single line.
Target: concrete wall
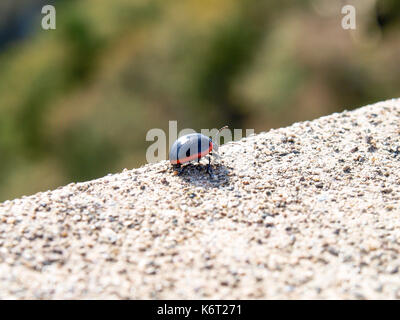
[(307, 211)]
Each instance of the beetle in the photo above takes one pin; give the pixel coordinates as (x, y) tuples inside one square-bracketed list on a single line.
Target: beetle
[(193, 147)]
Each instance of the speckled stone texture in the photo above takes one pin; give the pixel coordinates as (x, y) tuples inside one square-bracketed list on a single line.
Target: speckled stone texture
[(307, 211)]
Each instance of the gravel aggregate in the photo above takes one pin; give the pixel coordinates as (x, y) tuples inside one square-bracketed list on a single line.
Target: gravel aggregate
[(310, 211)]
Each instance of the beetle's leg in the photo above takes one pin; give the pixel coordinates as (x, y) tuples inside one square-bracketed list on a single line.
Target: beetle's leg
[(209, 169)]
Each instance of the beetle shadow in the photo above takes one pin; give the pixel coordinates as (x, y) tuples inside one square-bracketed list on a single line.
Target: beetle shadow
[(196, 174)]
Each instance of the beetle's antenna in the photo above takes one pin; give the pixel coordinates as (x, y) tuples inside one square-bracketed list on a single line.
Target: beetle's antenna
[(219, 132), (216, 147), (216, 141)]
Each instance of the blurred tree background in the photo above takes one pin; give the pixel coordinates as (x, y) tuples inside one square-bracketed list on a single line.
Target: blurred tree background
[(76, 102)]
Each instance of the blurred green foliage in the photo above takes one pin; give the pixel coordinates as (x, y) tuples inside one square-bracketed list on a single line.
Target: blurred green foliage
[(76, 102)]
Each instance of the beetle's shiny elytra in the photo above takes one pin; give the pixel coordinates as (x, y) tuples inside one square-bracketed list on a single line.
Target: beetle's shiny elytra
[(190, 147)]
